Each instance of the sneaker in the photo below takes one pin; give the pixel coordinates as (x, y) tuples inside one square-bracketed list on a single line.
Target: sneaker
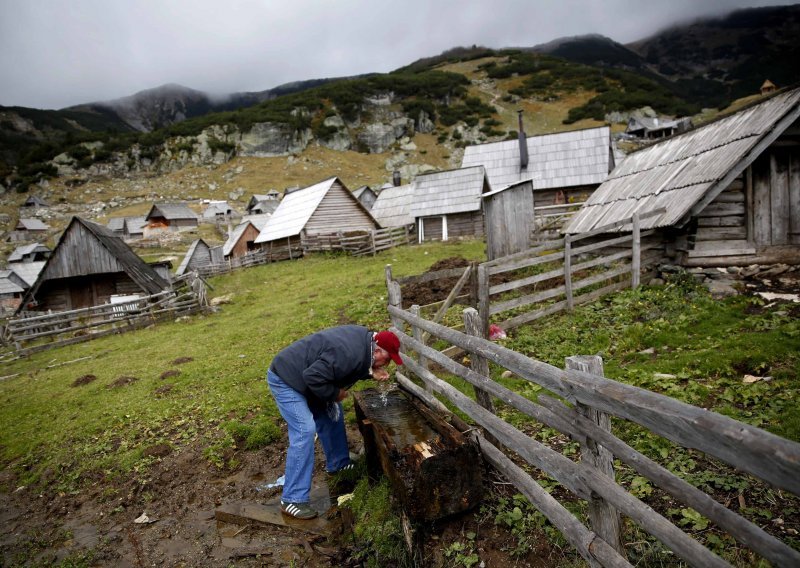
[(348, 467), (298, 510)]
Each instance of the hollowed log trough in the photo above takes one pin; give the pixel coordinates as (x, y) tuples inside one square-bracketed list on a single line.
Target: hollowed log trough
[(434, 470)]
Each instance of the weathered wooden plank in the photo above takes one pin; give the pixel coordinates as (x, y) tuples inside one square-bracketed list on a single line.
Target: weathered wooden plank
[(568, 271), (733, 221), (577, 476), (589, 545), (636, 252), (779, 198), (480, 365), (616, 224), (740, 528), (246, 512), (724, 209), (794, 199), (604, 518), (525, 263), (756, 451), (483, 298), (450, 297), (539, 248)]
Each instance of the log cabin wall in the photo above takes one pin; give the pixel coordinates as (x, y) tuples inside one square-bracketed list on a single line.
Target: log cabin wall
[(83, 291), (246, 242), (468, 224), (339, 211)]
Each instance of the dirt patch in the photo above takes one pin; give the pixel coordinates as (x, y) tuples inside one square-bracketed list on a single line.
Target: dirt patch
[(182, 360), (161, 391), (426, 293), (170, 373), (122, 381), (157, 451), (84, 380)]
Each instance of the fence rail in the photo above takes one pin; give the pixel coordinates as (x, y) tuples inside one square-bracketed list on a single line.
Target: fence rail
[(359, 243), (30, 332), (595, 398)]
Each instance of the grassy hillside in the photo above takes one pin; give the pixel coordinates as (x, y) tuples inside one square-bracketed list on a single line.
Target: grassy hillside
[(95, 421)]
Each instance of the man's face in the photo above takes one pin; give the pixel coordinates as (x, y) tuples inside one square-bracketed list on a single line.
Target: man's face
[(380, 358)]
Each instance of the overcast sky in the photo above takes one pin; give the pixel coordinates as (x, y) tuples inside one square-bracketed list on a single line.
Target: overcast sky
[(57, 53)]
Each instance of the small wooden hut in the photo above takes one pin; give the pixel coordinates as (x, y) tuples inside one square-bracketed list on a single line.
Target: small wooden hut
[(33, 252), (169, 218), (28, 230), (729, 190), (508, 218), (199, 255), (448, 204), (88, 266), (241, 240), (321, 209)]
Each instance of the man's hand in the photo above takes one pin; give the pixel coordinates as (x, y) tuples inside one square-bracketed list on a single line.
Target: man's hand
[(380, 374), (341, 396)]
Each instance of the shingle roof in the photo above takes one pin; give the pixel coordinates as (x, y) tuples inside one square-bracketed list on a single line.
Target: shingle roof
[(393, 206), (564, 159), (116, 224), (135, 225), (8, 286), (234, 237), (687, 170), (29, 271), (446, 193), (294, 211)]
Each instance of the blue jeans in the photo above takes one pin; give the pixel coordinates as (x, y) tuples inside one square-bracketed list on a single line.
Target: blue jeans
[(303, 424)]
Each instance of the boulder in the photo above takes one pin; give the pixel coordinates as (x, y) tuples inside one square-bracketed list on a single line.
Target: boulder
[(721, 288)]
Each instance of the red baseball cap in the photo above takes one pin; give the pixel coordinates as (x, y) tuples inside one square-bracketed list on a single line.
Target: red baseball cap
[(388, 341)]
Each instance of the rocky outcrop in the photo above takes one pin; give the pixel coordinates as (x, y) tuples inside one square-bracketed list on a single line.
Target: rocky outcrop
[(380, 137), (267, 139)]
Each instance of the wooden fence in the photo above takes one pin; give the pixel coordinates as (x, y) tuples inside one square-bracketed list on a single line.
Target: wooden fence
[(612, 263), (359, 243), (594, 400), (571, 265), (250, 259), (30, 332), (548, 219)]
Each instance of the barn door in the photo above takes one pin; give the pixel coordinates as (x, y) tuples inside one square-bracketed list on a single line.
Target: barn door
[(80, 293), (776, 198)]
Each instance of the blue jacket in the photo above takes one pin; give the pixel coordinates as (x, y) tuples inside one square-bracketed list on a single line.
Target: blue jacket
[(320, 364)]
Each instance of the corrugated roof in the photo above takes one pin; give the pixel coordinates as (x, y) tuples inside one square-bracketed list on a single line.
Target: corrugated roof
[(563, 159), (171, 211), (678, 172), (446, 193), (393, 206), (294, 211)]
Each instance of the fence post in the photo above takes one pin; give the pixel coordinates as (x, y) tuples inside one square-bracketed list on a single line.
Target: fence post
[(473, 285), (636, 261), (604, 518), (472, 325), (568, 270), (395, 296), (289, 242), (418, 335), (372, 235), (483, 299)]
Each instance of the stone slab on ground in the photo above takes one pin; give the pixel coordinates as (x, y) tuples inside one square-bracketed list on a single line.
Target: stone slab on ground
[(244, 512)]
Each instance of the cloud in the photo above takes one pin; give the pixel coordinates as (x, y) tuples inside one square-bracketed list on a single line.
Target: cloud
[(56, 53)]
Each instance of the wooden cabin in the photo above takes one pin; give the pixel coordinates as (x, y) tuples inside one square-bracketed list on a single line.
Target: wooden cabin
[(392, 208), (33, 252), (88, 266), (133, 228), (169, 218), (116, 225), (34, 202), (12, 289), (448, 204), (241, 241), (199, 255), (508, 218), (729, 190), (220, 211), (564, 167), (366, 196), (28, 230), (321, 209)]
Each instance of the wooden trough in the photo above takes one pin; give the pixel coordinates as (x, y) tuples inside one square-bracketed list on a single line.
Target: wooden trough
[(433, 468)]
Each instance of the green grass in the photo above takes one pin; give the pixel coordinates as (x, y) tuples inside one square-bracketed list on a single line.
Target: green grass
[(52, 432)]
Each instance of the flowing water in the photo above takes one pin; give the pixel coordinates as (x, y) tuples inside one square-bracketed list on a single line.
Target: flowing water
[(397, 416)]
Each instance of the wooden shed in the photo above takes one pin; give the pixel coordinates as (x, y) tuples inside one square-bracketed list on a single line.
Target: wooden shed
[(35, 201), (88, 266), (392, 208), (448, 204), (12, 289), (508, 218), (33, 252), (241, 240), (199, 255), (564, 167), (730, 190), (169, 218), (28, 230), (321, 209), (366, 196), (133, 228)]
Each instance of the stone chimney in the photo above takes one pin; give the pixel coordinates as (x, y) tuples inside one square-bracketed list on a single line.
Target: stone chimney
[(523, 144), (396, 178)]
